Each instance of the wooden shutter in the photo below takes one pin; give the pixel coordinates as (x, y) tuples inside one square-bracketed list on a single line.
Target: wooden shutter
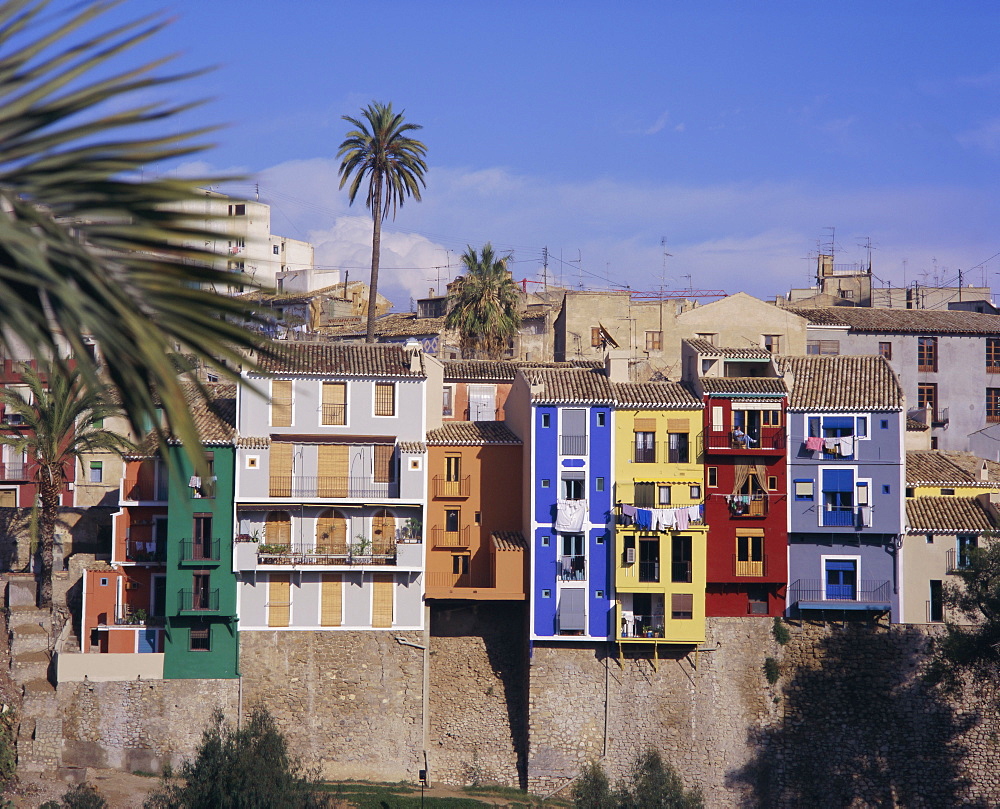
[(383, 463), (382, 587), (281, 403), (331, 600), (383, 532), (677, 425), (8, 498), (278, 528), (279, 594), (332, 468), (385, 398), (682, 606), (334, 403), (644, 426), (331, 533), (280, 464)]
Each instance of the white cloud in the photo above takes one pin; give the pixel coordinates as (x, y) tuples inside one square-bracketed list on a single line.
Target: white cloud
[(658, 124)]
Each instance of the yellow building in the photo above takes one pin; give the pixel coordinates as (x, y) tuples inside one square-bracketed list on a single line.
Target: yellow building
[(660, 534)]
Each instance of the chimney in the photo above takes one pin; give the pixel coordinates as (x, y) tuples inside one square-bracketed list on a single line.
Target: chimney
[(616, 366), (413, 350)]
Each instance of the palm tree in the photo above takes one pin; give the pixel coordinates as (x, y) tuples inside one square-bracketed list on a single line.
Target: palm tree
[(379, 150), (89, 243), (484, 304), (61, 420)]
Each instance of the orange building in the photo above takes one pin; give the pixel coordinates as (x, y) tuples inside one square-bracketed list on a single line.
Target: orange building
[(475, 549)]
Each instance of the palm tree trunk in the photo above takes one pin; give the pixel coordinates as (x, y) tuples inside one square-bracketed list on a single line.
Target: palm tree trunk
[(376, 254), (49, 488)]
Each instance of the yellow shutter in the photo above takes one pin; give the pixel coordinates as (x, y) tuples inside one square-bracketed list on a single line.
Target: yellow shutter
[(278, 528), (279, 594), (281, 403), (331, 533), (8, 498), (677, 425), (382, 585), (335, 403), (280, 463), (332, 464), (383, 533), (383, 463), (644, 426), (331, 600)]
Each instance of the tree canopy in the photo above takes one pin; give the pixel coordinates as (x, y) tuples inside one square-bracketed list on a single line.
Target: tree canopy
[(484, 304)]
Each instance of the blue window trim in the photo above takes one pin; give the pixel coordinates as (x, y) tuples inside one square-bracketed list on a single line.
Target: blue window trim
[(804, 497)]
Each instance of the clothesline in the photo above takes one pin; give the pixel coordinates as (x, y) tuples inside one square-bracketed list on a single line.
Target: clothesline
[(662, 519)]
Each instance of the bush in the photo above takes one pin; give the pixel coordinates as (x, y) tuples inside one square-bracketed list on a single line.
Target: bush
[(248, 768), (82, 796), (652, 784), (780, 632), (772, 670)]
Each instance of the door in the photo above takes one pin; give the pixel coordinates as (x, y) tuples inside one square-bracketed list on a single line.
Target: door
[(841, 580), (482, 403), (158, 605), (147, 641)]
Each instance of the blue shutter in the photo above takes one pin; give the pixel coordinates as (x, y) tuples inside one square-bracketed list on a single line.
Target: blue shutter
[(838, 480), (838, 423)]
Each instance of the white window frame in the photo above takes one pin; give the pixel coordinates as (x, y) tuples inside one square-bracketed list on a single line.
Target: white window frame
[(840, 557)]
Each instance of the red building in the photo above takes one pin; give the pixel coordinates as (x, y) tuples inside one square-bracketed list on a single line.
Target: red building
[(745, 478)]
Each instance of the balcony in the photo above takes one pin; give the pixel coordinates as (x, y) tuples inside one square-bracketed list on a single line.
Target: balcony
[(200, 552), (145, 551), (957, 561), (360, 553), (199, 600), (127, 615), (325, 486), (749, 567), (450, 580), (649, 571), (451, 488), (642, 626), (14, 471), (572, 568), (764, 439), (137, 489), (644, 454), (450, 539), (334, 415), (747, 505), (856, 517), (872, 595), (573, 445)]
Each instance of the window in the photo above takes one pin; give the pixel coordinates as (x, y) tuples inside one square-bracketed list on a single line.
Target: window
[(749, 555), (600, 418), (385, 399), (681, 559), (664, 495), (645, 494), (993, 355), (274, 250), (935, 606), (993, 404), (772, 342), (682, 606), (713, 477), (595, 336), (545, 541), (573, 488), (645, 448), (929, 538), (451, 520), (201, 592), (927, 359), (678, 448), (840, 434), (237, 210), (201, 638), (886, 488), (770, 418), (545, 483), (281, 403), (803, 489), (885, 350), (847, 293), (947, 492), (546, 594), (599, 484), (598, 594), (695, 493), (654, 340), (571, 565), (453, 468), (335, 403), (96, 471), (838, 497), (478, 517), (966, 543), (573, 438), (826, 347), (927, 398), (460, 564), (883, 424), (201, 537), (649, 560), (546, 419), (448, 401), (772, 483)]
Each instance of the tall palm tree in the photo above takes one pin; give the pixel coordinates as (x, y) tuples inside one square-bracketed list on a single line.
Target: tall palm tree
[(484, 304), (90, 244), (379, 150), (61, 420)]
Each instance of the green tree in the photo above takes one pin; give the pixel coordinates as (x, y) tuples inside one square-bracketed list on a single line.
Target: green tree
[(592, 789), (90, 242), (971, 648), (245, 768), (62, 420), (484, 304), (380, 152), (651, 784)]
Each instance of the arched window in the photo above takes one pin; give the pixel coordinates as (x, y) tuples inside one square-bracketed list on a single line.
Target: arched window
[(278, 528), (331, 532)]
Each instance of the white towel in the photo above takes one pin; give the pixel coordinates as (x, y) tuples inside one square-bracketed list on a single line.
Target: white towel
[(694, 513), (570, 515)]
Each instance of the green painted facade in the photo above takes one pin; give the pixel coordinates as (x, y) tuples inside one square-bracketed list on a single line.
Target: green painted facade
[(201, 638)]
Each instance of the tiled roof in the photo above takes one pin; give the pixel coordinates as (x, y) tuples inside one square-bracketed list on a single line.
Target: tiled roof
[(400, 324), (919, 321), (508, 541), (413, 447), (914, 426), (215, 419), (947, 515), (253, 442), (260, 296), (734, 352), (940, 468), (743, 385), (338, 359), (495, 371), (841, 383), (664, 395), (568, 385), (471, 433)]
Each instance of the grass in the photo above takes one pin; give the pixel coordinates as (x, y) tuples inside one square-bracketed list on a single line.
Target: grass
[(369, 795)]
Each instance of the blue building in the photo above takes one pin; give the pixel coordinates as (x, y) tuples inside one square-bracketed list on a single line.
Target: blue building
[(564, 417), (846, 422)]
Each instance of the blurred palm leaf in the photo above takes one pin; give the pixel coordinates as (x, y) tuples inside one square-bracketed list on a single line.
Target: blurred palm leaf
[(87, 247)]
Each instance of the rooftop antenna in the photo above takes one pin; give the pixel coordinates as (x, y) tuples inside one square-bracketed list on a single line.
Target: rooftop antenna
[(830, 246), (869, 247), (545, 268)]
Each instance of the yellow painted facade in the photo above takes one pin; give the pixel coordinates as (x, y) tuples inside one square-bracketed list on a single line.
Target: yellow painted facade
[(946, 491), (659, 574)]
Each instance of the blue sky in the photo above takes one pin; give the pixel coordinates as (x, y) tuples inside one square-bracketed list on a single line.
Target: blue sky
[(739, 134)]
